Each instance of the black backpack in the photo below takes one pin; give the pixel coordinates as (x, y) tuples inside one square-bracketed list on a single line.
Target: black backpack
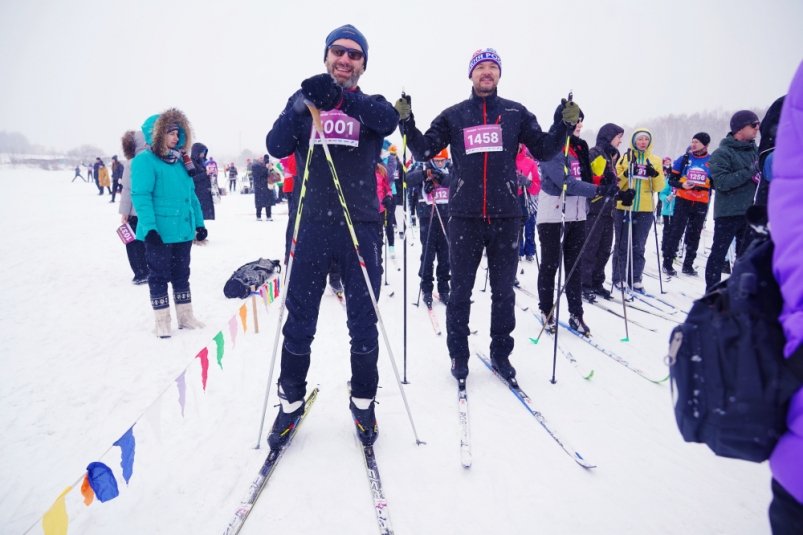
[(251, 274), (728, 373)]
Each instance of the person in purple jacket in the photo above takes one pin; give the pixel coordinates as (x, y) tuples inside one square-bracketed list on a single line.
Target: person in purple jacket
[(786, 222)]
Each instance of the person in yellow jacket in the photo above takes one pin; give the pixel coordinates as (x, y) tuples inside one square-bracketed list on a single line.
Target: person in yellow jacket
[(640, 175), (103, 178)]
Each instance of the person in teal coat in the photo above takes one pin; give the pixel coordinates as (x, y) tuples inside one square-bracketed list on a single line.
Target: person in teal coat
[(170, 215)]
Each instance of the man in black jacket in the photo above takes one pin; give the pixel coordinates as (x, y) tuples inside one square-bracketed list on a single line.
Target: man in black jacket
[(356, 125), (484, 133)]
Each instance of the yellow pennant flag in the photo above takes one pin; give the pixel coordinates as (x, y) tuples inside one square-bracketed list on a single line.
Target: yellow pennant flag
[(55, 520), (244, 317)]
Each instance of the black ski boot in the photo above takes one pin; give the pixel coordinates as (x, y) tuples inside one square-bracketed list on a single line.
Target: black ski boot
[(549, 323), (668, 268), (504, 368), (689, 270), (283, 425), (365, 421), (589, 294), (576, 322), (428, 299), (444, 297), (460, 369), (602, 292)]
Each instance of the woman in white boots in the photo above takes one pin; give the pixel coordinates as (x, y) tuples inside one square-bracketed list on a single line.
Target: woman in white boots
[(170, 215)]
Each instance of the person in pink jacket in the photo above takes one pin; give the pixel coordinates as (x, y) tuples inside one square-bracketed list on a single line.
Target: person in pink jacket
[(786, 223), (529, 186)]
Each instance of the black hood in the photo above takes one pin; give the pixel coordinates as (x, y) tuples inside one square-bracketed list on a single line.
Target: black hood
[(769, 126), (198, 151), (607, 133)]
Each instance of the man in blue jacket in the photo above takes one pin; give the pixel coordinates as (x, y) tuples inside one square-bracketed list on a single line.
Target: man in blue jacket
[(355, 125), (484, 133)]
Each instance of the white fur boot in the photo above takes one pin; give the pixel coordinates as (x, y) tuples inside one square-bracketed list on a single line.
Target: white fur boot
[(162, 322), (185, 317)]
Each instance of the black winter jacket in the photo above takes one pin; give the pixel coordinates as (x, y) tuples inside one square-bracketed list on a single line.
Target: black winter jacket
[(355, 166), (486, 184)]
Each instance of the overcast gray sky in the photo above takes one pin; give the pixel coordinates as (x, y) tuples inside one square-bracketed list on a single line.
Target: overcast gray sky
[(84, 71)]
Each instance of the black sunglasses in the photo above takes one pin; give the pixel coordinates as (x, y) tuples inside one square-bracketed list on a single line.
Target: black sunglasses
[(353, 53), (755, 124)]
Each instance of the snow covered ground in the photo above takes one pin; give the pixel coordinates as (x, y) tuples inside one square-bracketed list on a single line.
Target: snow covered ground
[(81, 366)]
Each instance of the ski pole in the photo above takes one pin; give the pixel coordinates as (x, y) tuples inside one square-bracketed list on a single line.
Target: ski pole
[(655, 231), (404, 240), (316, 118), (556, 305), (287, 272)]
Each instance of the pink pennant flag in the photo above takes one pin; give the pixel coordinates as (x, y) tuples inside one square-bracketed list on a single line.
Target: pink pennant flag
[(244, 317), (204, 356), (182, 390), (233, 330)]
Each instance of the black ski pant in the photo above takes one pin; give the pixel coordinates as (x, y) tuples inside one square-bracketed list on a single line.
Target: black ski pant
[(467, 238), (642, 225), (598, 248), (318, 245), (665, 229), (136, 252), (689, 218), (786, 513), (168, 262), (725, 230), (434, 247), (549, 236), (390, 226)]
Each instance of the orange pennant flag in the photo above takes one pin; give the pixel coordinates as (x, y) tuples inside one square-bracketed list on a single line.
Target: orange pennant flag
[(55, 521), (244, 317), (87, 492)]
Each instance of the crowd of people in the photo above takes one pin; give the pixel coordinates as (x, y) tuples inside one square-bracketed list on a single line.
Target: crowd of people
[(482, 179)]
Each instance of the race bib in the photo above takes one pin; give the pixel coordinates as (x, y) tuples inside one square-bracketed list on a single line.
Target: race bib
[(696, 176), (640, 171), (439, 195), (483, 138), (339, 129), (574, 169)]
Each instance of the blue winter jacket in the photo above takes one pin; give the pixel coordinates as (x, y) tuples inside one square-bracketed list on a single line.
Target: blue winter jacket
[(355, 166), (163, 193)]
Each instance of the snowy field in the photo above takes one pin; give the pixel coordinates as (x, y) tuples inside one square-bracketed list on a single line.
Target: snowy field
[(81, 366)]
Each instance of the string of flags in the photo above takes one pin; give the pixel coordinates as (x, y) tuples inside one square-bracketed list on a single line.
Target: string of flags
[(98, 481)]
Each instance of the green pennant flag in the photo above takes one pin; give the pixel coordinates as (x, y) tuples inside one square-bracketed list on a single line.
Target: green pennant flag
[(219, 345)]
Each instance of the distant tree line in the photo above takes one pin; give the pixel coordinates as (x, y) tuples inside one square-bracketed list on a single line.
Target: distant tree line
[(672, 133)]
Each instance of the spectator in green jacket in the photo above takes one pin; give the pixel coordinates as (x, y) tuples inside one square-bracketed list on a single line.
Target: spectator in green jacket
[(734, 177)]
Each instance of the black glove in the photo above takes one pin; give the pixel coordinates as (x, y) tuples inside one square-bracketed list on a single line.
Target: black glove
[(430, 185), (387, 202), (404, 107), (570, 113), (651, 172), (523, 181), (153, 238), (627, 196), (322, 91), (200, 233), (607, 190)]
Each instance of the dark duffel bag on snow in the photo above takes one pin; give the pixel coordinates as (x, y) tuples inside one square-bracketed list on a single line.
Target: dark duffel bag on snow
[(251, 274), (728, 373)]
